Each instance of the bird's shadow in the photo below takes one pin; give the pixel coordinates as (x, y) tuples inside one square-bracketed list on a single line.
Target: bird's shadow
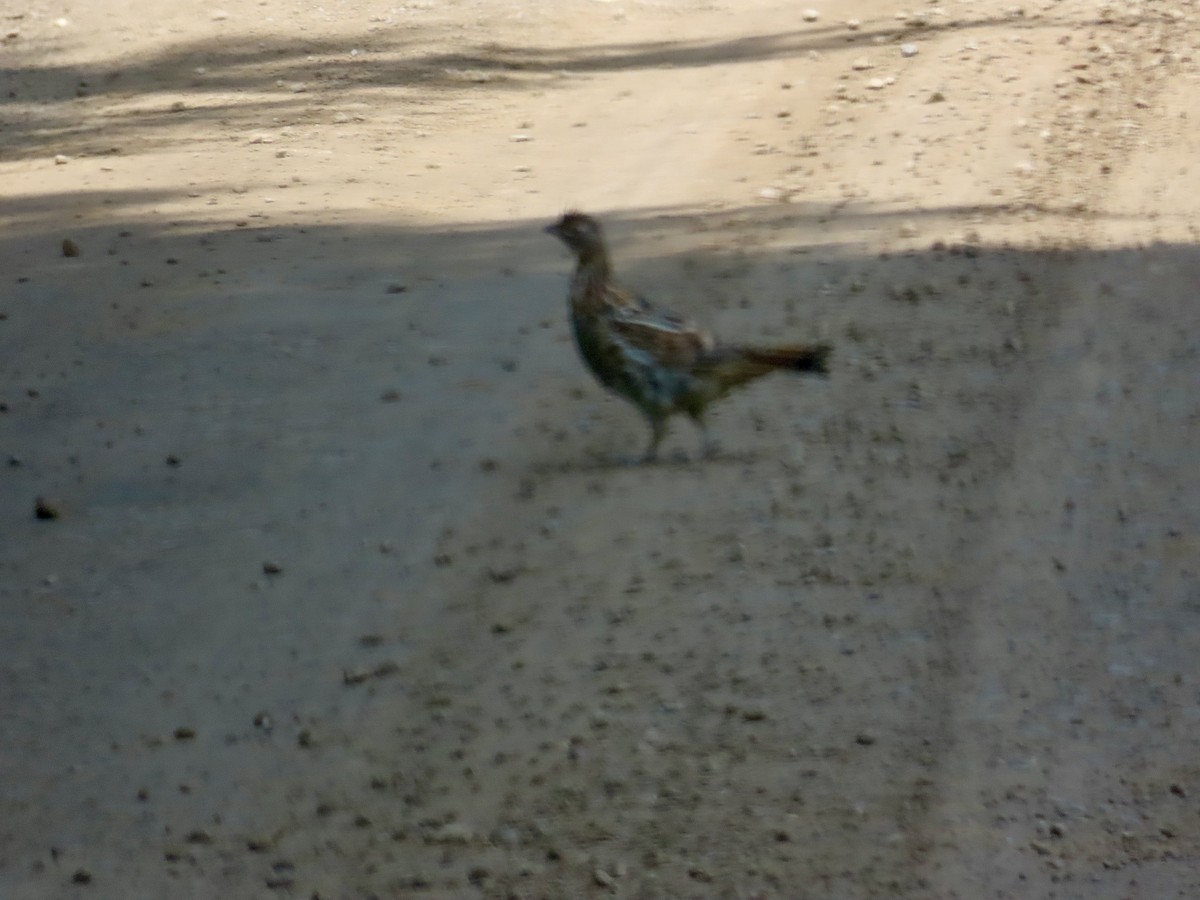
[(677, 461)]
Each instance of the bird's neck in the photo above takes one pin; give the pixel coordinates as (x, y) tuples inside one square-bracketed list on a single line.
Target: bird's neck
[(589, 287), (593, 264)]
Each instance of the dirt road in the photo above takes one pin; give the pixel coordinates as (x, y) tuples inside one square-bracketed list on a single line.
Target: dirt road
[(341, 589)]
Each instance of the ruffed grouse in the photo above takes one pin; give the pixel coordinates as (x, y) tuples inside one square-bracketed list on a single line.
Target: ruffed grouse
[(654, 359)]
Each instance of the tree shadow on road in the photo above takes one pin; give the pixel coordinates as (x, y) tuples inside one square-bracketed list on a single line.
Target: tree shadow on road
[(833, 573), (111, 106)]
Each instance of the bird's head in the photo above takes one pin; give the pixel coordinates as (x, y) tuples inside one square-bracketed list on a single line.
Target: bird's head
[(579, 232)]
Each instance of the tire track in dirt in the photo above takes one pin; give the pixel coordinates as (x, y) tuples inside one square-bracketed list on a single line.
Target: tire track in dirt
[(1019, 780)]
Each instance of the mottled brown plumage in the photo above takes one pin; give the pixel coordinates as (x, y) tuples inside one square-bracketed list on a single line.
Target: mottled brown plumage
[(653, 358)]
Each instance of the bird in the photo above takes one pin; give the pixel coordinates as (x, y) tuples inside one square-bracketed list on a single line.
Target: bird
[(655, 359)]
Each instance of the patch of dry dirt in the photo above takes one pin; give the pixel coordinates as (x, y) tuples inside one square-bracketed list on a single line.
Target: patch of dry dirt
[(339, 588)]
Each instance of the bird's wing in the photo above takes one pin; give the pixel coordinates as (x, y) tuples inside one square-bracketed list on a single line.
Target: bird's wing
[(618, 298), (621, 297), (666, 338)]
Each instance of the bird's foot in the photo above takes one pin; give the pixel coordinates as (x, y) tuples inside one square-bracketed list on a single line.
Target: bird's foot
[(651, 453), (632, 462)]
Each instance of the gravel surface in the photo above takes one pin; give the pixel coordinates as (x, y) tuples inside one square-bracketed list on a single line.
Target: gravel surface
[(322, 572)]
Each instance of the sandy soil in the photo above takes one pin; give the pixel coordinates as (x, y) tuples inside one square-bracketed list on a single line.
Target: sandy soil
[(348, 595)]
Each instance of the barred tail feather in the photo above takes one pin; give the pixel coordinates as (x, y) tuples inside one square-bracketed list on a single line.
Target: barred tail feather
[(801, 358), (737, 365)]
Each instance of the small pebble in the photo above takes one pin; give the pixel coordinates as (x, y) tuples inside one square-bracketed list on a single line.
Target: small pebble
[(451, 833), (810, 15), (908, 50), (61, 160), (69, 247), (45, 509), (270, 567)]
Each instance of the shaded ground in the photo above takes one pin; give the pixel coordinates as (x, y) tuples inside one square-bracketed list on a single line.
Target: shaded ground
[(349, 595)]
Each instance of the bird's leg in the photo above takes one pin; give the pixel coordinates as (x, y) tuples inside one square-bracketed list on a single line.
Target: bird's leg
[(708, 446), (658, 430)]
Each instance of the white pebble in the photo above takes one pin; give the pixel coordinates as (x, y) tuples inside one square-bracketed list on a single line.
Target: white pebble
[(908, 50), (877, 84), (810, 15), (60, 160), (451, 833), (861, 64)]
